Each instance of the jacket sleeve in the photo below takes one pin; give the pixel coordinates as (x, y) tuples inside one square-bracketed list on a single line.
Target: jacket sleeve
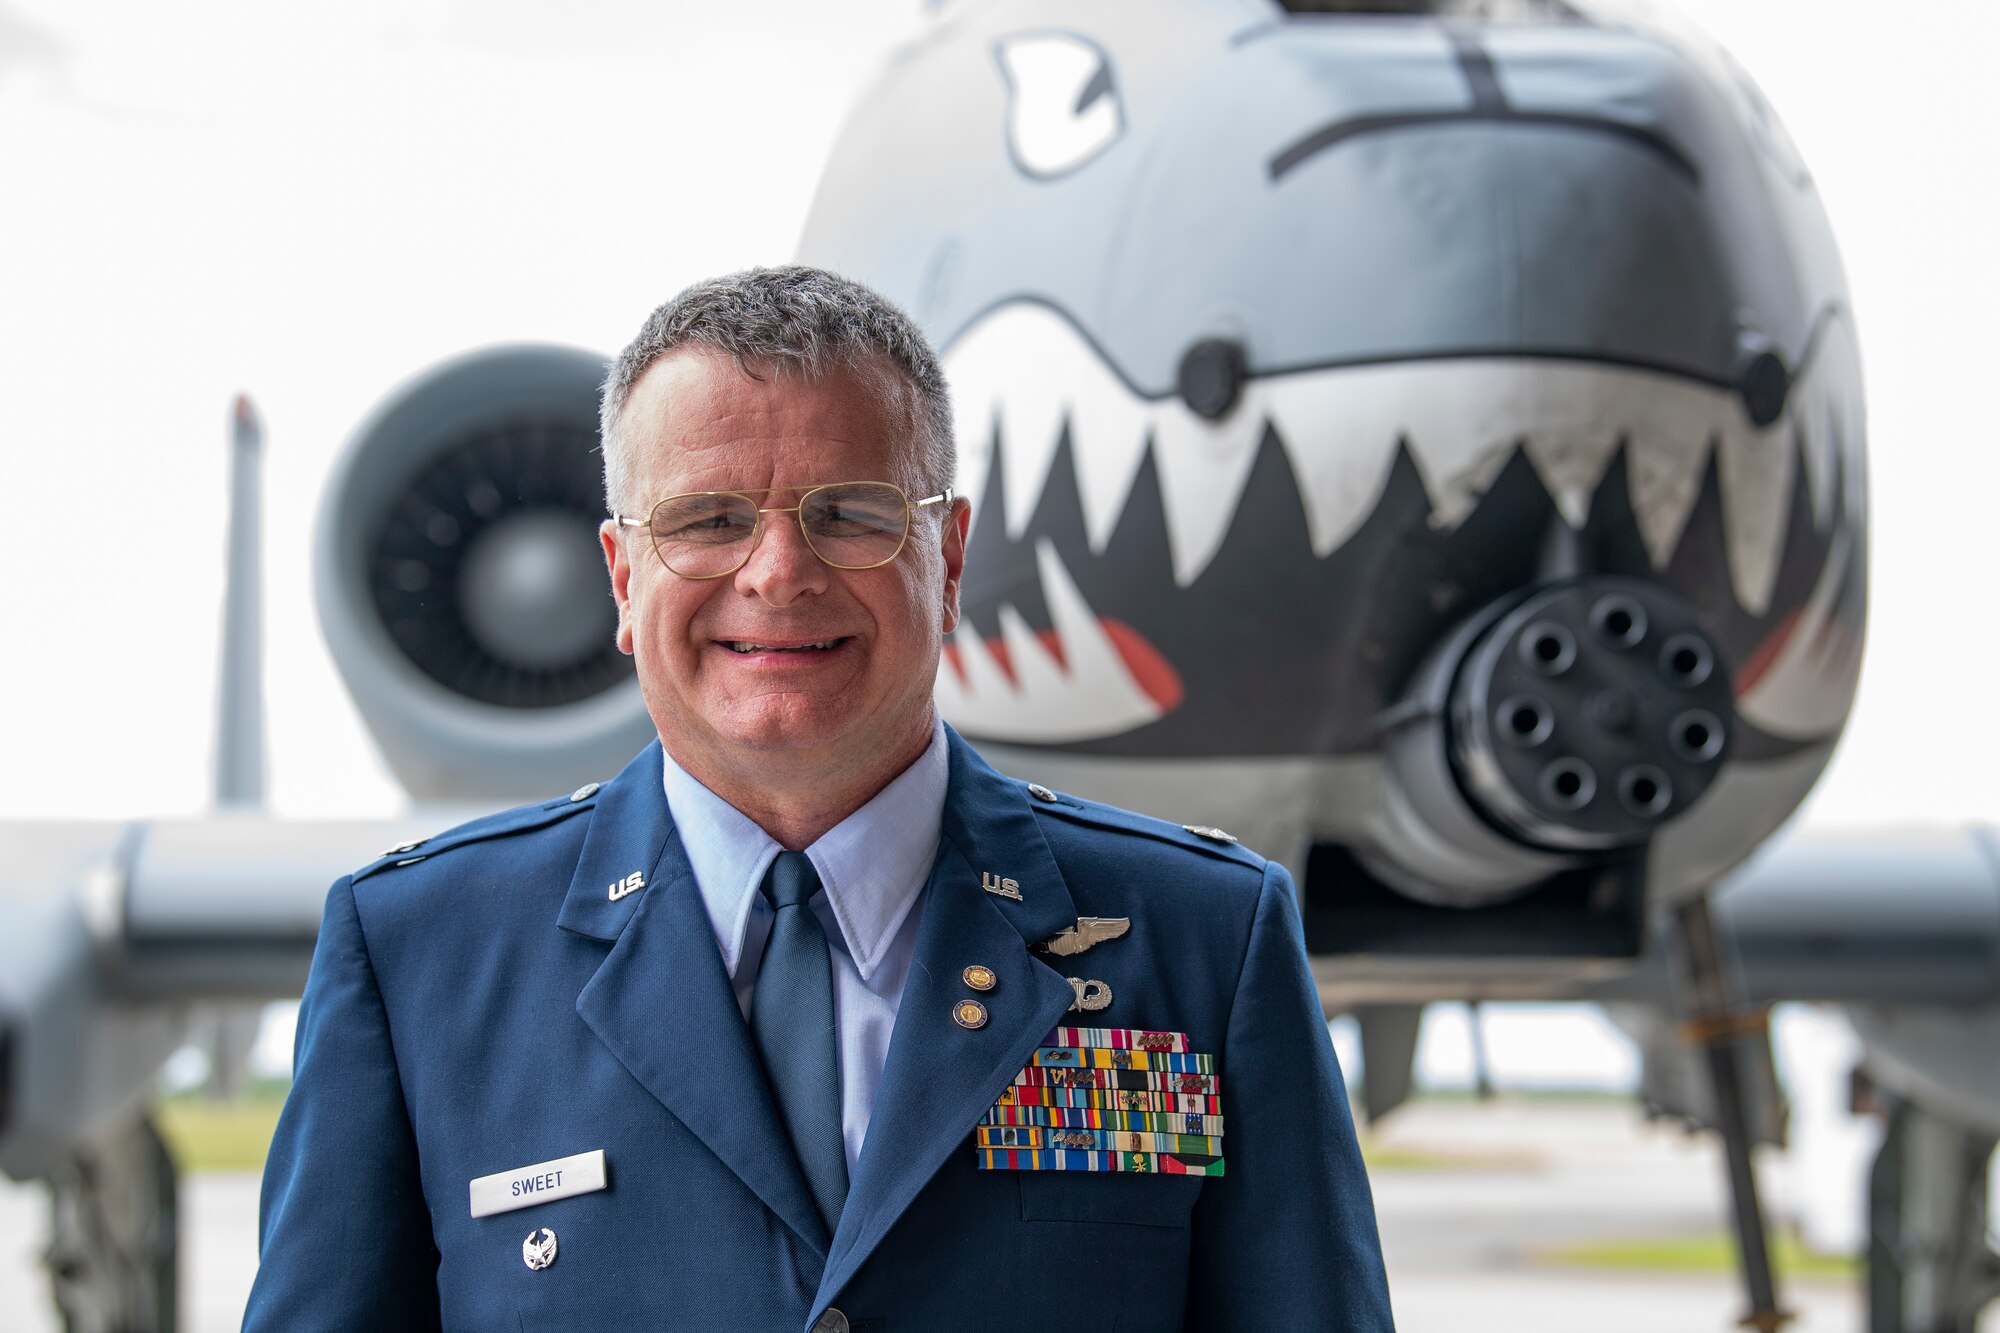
[(1286, 1238), (344, 1236)]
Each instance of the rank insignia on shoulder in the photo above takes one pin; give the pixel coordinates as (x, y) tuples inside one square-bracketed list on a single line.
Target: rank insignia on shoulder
[(1211, 833), (1108, 1099)]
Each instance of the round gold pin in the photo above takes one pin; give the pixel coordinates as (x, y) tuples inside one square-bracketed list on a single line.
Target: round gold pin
[(980, 978), (969, 1014)]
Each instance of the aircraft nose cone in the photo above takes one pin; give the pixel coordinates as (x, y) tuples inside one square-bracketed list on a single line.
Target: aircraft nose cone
[(532, 590)]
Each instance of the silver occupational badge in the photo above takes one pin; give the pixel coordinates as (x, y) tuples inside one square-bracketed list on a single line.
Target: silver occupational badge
[(1086, 933), (1090, 995), (538, 1251)]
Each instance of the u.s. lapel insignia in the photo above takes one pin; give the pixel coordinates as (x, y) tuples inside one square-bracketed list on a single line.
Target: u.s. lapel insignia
[(999, 885), (538, 1251), (1090, 995), (631, 884), (1088, 932)]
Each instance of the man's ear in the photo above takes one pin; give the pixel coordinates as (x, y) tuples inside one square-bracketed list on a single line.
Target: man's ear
[(957, 526), (612, 538)]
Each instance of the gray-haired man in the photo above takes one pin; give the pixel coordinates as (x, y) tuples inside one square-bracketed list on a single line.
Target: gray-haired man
[(778, 1029)]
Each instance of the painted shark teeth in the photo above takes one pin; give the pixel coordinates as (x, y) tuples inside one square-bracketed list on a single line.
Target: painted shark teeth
[(1024, 375), (1070, 686), (1805, 690)]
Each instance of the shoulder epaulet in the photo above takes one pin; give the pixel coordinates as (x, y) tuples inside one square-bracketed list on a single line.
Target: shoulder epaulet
[(521, 819), (1195, 837)]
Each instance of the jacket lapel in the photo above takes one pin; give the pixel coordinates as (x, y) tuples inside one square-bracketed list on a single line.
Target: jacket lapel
[(940, 1077), (661, 1000)]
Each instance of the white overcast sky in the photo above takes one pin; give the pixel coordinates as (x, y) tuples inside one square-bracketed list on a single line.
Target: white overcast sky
[(312, 202)]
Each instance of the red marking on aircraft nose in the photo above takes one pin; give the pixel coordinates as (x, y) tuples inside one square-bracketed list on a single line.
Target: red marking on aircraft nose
[(1766, 654), (1152, 672), (996, 648)]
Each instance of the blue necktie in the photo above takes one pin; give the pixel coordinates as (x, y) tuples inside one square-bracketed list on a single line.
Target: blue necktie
[(791, 1019)]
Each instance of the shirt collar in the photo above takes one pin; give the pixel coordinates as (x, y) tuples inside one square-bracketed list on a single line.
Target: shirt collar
[(872, 864)]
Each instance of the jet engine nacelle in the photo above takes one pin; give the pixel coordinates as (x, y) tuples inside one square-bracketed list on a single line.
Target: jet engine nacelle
[(460, 583)]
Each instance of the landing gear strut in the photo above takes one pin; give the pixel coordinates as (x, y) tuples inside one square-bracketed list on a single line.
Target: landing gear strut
[(114, 1235), (1931, 1265), (1723, 1031)]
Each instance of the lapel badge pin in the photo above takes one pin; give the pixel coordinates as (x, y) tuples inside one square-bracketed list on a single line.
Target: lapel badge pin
[(979, 978), (631, 884), (1090, 995), (969, 1014), (1005, 888), (1088, 932), (538, 1251)]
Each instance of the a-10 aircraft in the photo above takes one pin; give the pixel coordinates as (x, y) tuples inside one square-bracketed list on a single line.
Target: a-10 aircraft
[(1428, 443)]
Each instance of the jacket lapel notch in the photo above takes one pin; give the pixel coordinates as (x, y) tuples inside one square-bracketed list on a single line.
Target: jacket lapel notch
[(940, 1077), (622, 852), (663, 1004)]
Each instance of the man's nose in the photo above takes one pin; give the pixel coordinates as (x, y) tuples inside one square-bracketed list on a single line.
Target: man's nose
[(782, 565)]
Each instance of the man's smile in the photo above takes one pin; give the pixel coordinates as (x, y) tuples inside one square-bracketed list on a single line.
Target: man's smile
[(752, 647)]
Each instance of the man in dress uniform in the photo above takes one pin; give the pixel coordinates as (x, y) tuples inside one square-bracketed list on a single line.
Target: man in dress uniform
[(808, 1019)]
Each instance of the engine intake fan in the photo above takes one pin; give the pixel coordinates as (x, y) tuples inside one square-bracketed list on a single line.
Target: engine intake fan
[(461, 585)]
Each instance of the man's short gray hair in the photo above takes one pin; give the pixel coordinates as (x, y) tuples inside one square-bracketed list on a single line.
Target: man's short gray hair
[(792, 320)]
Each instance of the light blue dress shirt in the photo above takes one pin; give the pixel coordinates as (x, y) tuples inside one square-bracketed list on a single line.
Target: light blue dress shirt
[(872, 869)]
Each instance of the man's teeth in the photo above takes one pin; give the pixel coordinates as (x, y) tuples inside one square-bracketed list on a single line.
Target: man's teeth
[(744, 646)]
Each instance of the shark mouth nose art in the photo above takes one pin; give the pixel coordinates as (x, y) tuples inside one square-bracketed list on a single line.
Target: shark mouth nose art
[(1332, 508)]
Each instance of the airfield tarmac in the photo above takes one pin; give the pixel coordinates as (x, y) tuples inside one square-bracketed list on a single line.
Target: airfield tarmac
[(1472, 1201)]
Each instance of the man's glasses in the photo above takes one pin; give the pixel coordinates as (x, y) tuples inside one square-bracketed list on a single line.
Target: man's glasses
[(848, 524)]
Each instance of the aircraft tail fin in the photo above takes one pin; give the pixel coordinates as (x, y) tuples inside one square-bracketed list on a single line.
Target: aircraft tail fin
[(239, 731)]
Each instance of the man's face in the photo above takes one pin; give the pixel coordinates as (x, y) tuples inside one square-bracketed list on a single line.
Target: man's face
[(732, 668)]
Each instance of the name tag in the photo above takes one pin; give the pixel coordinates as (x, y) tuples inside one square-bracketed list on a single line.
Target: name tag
[(524, 1186)]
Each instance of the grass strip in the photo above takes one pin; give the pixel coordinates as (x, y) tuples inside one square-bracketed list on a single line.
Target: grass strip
[(1706, 1252), (218, 1136)]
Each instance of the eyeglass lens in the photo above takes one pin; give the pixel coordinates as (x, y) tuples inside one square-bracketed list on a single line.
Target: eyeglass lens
[(854, 526)]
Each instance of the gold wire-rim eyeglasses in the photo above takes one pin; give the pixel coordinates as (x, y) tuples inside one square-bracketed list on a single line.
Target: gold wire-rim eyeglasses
[(748, 545)]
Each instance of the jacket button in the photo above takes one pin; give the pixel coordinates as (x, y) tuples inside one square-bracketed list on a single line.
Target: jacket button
[(833, 1321)]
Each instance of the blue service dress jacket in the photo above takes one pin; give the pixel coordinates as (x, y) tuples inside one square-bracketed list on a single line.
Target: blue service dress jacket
[(508, 994)]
